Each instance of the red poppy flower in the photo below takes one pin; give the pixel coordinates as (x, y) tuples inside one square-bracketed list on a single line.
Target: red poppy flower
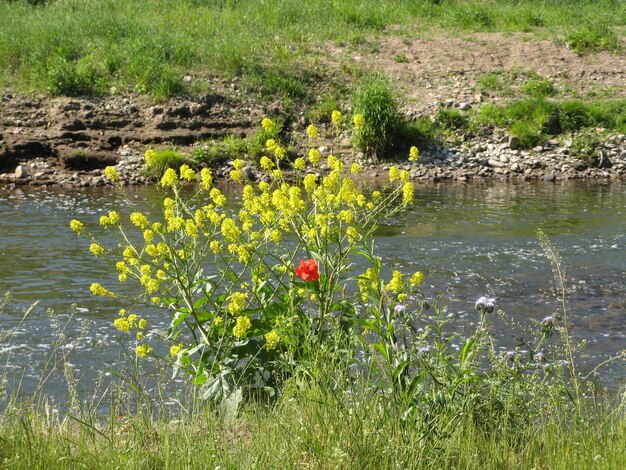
[(308, 271)]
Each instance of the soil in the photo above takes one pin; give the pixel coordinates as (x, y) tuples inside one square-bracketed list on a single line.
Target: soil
[(45, 140), (442, 68)]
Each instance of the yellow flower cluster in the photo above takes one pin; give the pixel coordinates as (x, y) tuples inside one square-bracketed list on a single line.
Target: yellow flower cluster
[(355, 168), (186, 173), (143, 350), (175, 350), (241, 327), (337, 118), (416, 279), (150, 157), (311, 132), (269, 126), (314, 156), (96, 249), (359, 122), (394, 174), (101, 291), (408, 191), (367, 282), (77, 226), (414, 154), (110, 220), (139, 219), (396, 284), (237, 302), (206, 179), (128, 322), (111, 173), (271, 340), (169, 178)]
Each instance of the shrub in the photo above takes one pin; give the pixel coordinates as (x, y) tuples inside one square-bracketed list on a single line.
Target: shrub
[(375, 101), (73, 78)]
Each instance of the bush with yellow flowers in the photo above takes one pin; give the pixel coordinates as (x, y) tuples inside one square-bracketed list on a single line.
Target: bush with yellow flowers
[(253, 289)]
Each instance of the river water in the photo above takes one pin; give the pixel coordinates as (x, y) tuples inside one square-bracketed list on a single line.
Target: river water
[(469, 240)]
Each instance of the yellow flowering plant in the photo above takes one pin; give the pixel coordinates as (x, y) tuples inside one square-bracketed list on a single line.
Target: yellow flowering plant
[(251, 288)]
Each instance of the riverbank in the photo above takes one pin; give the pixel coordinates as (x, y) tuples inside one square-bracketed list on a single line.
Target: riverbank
[(509, 101), (69, 142)]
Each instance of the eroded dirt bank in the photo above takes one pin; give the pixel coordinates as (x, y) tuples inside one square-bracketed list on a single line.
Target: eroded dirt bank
[(69, 141)]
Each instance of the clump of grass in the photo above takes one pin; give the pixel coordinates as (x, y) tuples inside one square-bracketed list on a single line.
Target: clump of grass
[(157, 161), (375, 100), (401, 59), (451, 120), (73, 77), (538, 87), (585, 146), (421, 132), (219, 151), (593, 37), (322, 110), (470, 15), (490, 82)]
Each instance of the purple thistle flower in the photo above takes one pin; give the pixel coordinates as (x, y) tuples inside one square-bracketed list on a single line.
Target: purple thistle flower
[(485, 304)]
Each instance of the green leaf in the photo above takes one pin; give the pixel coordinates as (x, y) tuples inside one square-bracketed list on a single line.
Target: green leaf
[(398, 370), (230, 405), (178, 318), (467, 351), (381, 348), (218, 387)]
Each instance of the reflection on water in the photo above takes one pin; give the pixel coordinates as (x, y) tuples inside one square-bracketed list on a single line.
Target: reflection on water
[(470, 240)]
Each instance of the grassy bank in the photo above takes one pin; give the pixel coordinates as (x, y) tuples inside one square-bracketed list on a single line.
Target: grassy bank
[(327, 425), (94, 47)]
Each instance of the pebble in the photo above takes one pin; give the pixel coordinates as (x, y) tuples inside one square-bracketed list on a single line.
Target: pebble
[(21, 172)]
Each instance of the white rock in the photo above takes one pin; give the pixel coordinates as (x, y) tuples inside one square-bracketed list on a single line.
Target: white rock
[(21, 172), (495, 163)]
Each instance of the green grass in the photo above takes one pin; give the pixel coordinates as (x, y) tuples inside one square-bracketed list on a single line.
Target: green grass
[(534, 119), (71, 47), (164, 159), (375, 100), (593, 37), (312, 426)]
